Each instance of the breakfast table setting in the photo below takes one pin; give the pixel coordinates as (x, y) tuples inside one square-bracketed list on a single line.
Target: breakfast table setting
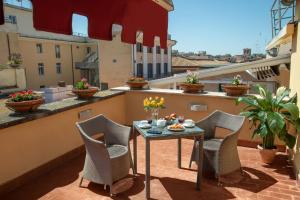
[(167, 128)]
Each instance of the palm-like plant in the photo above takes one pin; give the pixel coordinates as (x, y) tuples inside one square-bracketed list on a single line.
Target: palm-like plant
[(272, 115)]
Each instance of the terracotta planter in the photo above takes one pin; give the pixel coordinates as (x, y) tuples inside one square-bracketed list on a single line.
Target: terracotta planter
[(267, 155), (236, 90), (61, 83), (136, 85), (24, 106), (192, 88), (85, 94)]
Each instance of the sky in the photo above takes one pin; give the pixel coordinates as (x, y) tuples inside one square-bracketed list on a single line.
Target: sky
[(214, 26), (221, 26)]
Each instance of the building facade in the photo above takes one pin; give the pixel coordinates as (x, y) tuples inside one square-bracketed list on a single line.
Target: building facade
[(47, 58)]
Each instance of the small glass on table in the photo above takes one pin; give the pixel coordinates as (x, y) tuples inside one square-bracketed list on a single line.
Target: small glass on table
[(181, 119)]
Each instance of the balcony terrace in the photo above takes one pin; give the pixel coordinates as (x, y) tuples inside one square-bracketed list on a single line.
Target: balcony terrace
[(43, 153)]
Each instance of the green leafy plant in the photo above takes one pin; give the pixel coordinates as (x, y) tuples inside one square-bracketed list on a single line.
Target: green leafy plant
[(82, 85), (192, 77), (272, 115), (237, 80), (27, 95), (15, 59)]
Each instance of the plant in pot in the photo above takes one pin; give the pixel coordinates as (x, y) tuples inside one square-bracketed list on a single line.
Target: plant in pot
[(237, 87), (136, 83), (272, 116), (83, 90), (25, 101), (192, 83), (15, 60)]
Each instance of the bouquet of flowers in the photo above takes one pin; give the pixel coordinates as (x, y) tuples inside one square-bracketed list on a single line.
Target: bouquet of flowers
[(154, 105)]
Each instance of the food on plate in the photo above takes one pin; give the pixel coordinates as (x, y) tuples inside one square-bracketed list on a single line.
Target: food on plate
[(171, 117), (176, 126)]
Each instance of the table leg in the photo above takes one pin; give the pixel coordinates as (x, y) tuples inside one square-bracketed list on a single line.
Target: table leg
[(147, 175), (179, 153), (200, 162), (135, 150)]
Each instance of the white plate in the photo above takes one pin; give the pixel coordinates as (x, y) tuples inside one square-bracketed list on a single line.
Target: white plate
[(189, 125), (144, 126), (175, 130)]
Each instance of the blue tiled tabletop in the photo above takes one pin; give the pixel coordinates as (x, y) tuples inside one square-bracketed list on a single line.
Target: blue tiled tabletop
[(166, 134)]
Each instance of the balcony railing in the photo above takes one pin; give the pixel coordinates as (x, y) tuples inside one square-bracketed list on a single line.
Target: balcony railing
[(282, 14)]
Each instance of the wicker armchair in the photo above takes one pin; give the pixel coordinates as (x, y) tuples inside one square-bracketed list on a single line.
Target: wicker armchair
[(105, 163), (220, 155)]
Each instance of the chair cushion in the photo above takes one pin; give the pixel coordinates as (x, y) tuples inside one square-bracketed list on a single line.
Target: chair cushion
[(120, 161), (212, 144), (116, 150)]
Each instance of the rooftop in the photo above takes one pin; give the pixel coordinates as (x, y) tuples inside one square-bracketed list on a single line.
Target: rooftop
[(179, 61)]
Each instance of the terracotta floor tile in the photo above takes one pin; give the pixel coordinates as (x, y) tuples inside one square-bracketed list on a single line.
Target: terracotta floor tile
[(168, 182)]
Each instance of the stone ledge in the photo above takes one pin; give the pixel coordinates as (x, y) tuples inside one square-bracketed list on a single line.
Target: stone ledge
[(9, 118)]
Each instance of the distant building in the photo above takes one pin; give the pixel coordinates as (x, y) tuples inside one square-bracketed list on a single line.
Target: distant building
[(181, 64), (247, 54)]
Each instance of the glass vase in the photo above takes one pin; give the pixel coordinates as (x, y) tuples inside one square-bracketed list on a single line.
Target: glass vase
[(154, 116)]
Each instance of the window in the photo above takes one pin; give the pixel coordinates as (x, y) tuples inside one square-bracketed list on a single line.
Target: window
[(158, 49), (11, 19), (166, 51), (140, 70), (39, 48), (150, 50), (139, 47), (41, 69), (158, 69), (166, 69), (88, 50), (150, 70), (57, 51), (58, 68)]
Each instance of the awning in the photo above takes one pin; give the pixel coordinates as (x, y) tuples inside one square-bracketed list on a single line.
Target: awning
[(255, 66), (133, 15), (1, 13)]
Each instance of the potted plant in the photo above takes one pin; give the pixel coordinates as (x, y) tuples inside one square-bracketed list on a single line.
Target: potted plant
[(25, 101), (272, 116), (154, 105), (192, 84), (136, 83), (83, 90), (236, 88), (15, 60)]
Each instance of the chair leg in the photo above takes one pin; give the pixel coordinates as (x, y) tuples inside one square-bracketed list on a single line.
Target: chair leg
[(219, 180), (242, 171), (111, 191), (80, 183)]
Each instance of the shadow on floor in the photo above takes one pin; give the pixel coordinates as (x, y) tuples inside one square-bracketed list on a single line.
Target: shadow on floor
[(282, 166)]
